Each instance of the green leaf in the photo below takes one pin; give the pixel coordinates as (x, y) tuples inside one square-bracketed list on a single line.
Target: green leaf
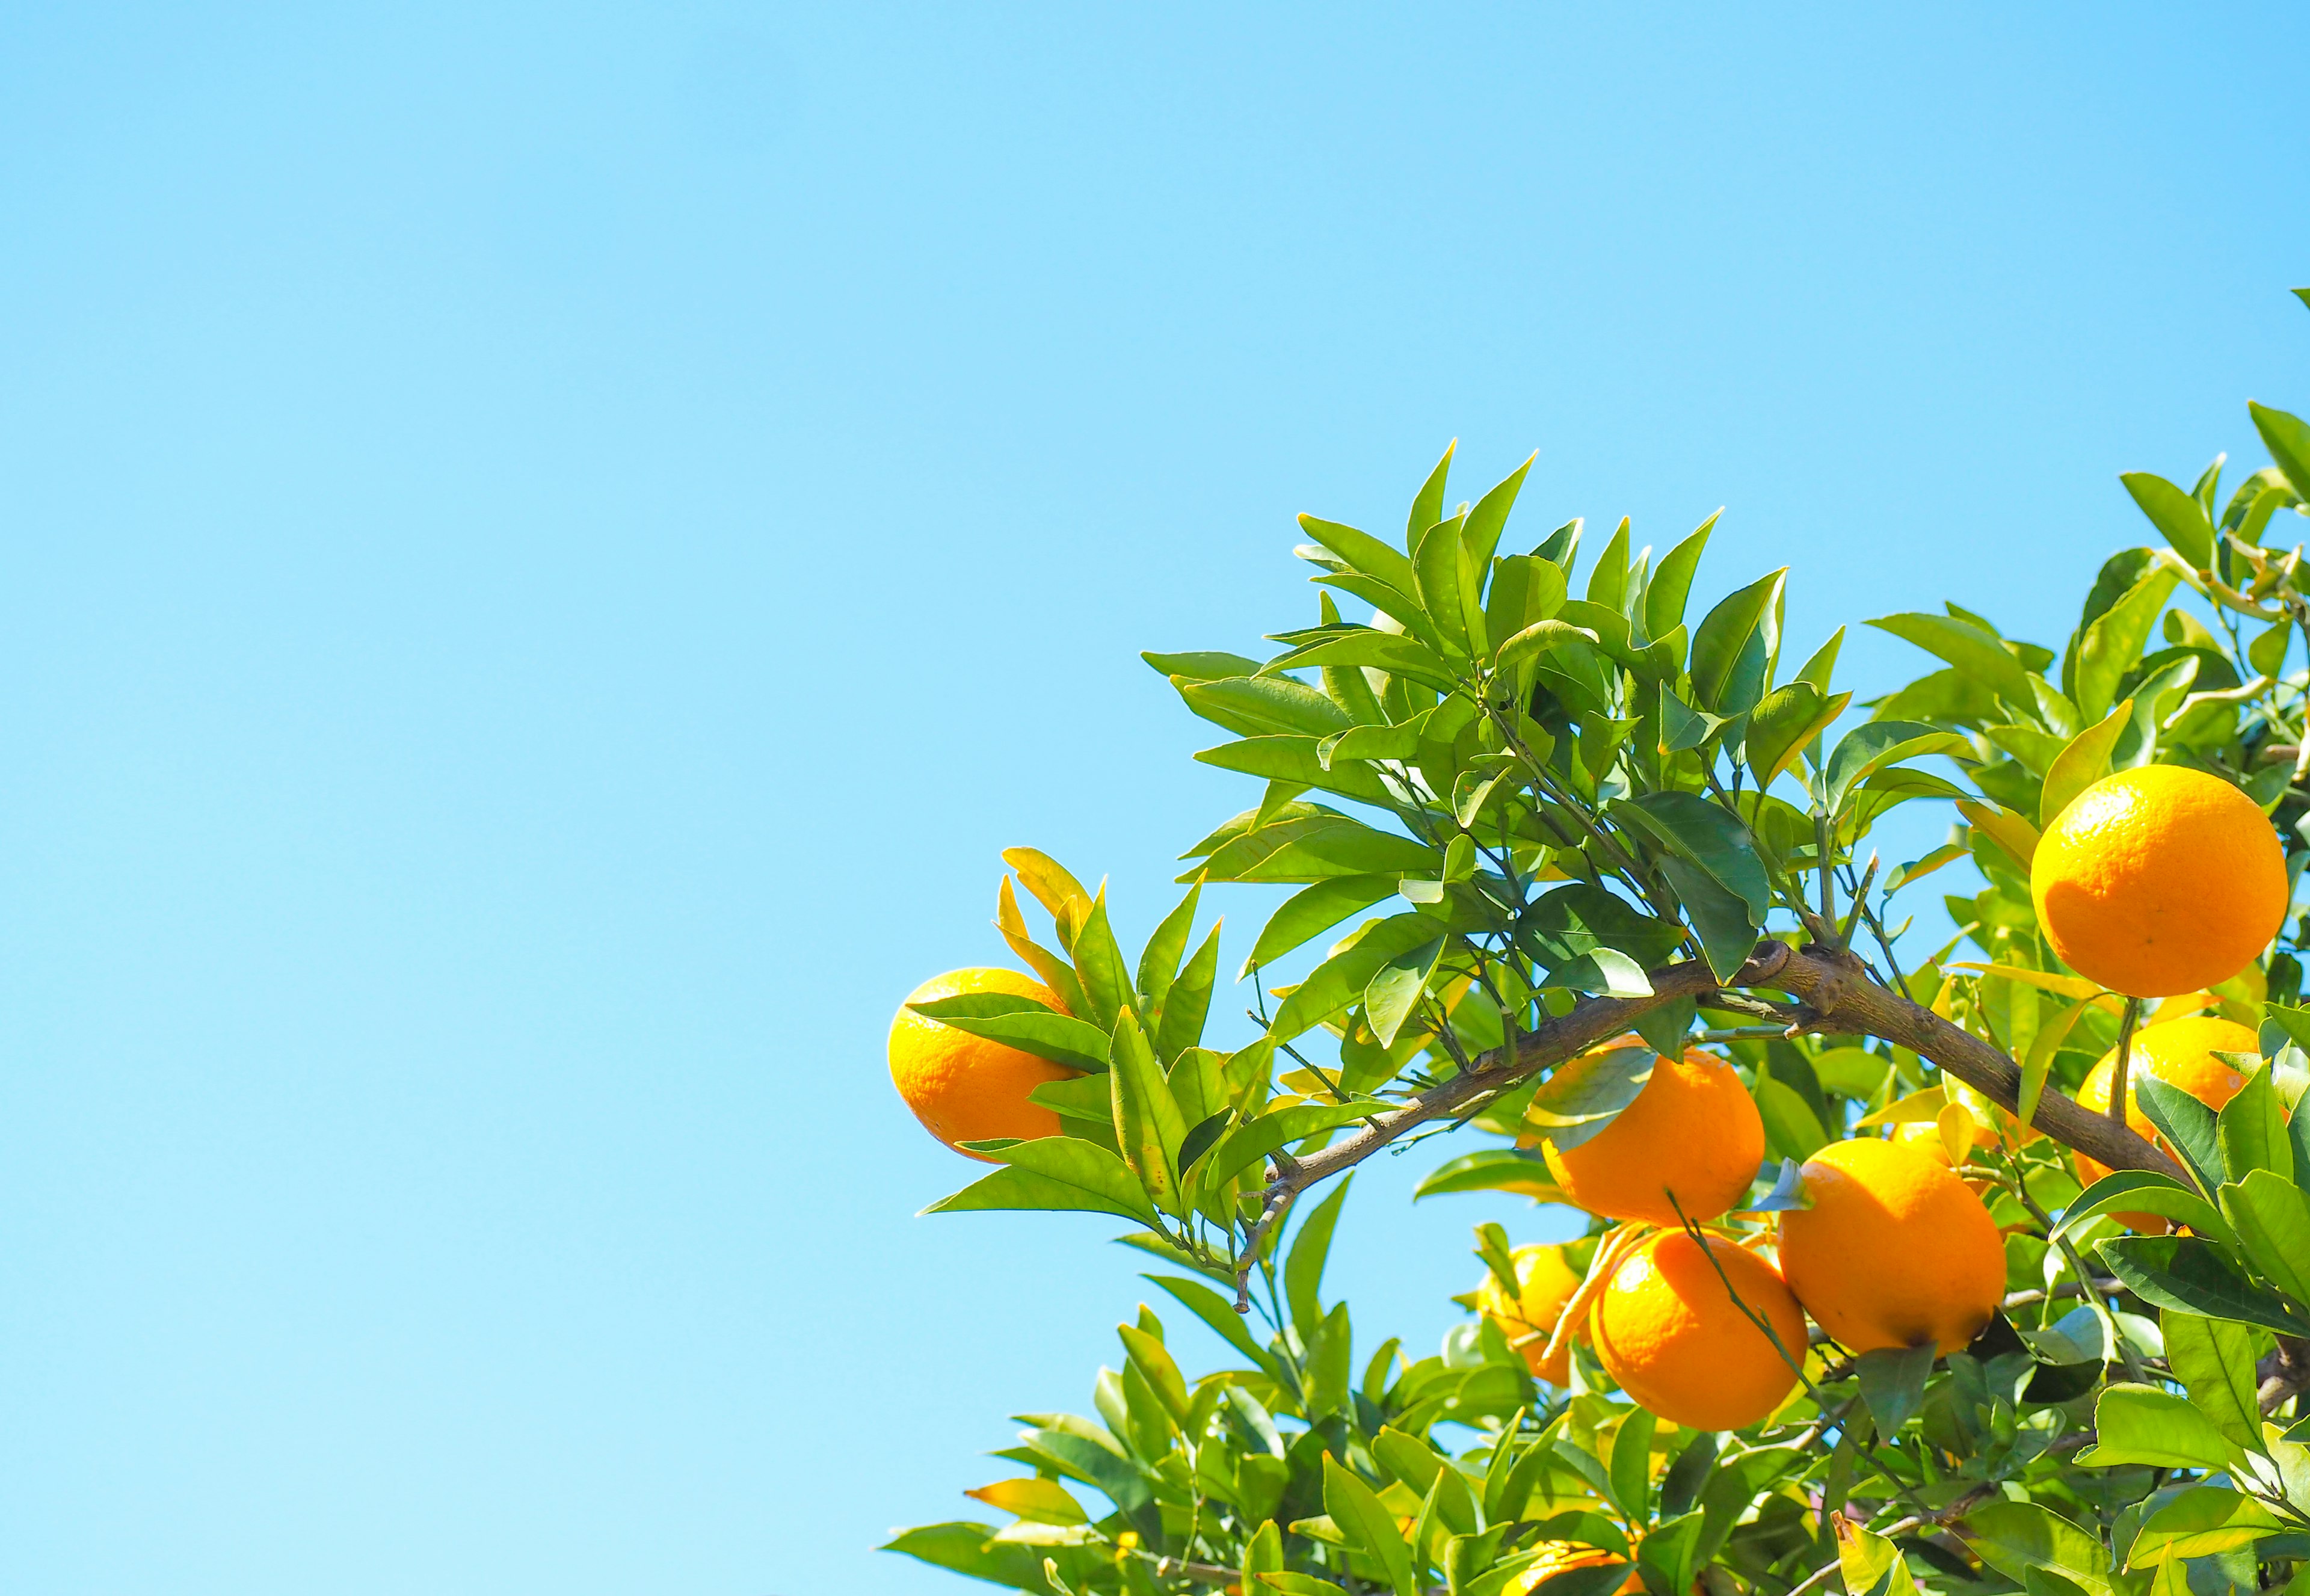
[(1587, 1093), (2271, 1217), (1159, 961), (1188, 1003), (2112, 645), (1707, 835), (1608, 582), (1148, 1124), (1315, 846), (2143, 1192), (1060, 1172), (1255, 1139), (1264, 706), (2182, 518), (2190, 1273), (2251, 1130), (1671, 583), (1727, 929), (1683, 727), (1394, 991), (2215, 1358), (1340, 980), (1022, 1023), (1367, 1525), (1491, 516), (1294, 1584), (1732, 647), (1979, 654), (2184, 1120), (1590, 940), (2288, 440), (1395, 653), (1631, 1466), (1441, 563), (1818, 669), (972, 1549), (1099, 967), (1784, 722), (1871, 1564), (1893, 1380), (1308, 914), (1363, 552), (1524, 589), (1220, 1314), (1538, 638), (2016, 1536), (2203, 1522), (1427, 504), (2083, 760), (1303, 1268), (1491, 1170), (1870, 748), (1790, 1127), (2144, 1424), (1206, 665)]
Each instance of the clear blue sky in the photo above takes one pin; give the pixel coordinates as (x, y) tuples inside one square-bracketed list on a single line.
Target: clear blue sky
[(548, 548)]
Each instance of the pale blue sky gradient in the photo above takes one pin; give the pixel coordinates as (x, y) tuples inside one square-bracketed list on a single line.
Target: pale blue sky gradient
[(548, 548)]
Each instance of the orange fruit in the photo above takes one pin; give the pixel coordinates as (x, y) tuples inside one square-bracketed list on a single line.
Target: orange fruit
[(1894, 1251), (1665, 1328), (2158, 881), (1546, 1283), (1692, 1130), (1561, 1558), (2179, 1052), (965, 1087)]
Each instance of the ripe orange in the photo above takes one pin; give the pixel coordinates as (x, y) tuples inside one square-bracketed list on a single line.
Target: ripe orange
[(1894, 1251), (1667, 1331), (1693, 1130), (2179, 1052), (1546, 1283), (965, 1087), (2159, 881)]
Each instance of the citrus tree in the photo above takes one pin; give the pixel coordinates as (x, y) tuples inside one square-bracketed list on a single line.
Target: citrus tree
[(1967, 1270)]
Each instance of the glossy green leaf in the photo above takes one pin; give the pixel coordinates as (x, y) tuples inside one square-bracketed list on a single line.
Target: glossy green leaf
[(1538, 638), (2191, 1273), (1395, 653), (1368, 1526), (2180, 517), (1524, 589), (2143, 1192), (1159, 961), (1340, 980), (972, 1549), (1315, 846), (2288, 440), (1707, 835), (1976, 654), (1253, 1140), (1791, 1129), (2251, 1130), (1785, 721), (2185, 1123), (1631, 1471), (1491, 516), (1671, 583), (1870, 1565), (2202, 1521), (1726, 927), (1392, 996), (1893, 1382), (2110, 647), (1099, 967), (1059, 1173), (1204, 665), (1217, 1312), (2145, 1424), (2214, 1359), (1311, 1247), (1264, 706), (2271, 1217), (1733, 646), (2083, 760), (1363, 552), (1022, 1023), (1870, 748), (1491, 1169), (1308, 914), (1188, 1003), (2016, 1537), (1148, 1124)]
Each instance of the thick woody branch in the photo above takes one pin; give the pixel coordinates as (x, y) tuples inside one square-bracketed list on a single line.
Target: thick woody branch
[(1836, 993)]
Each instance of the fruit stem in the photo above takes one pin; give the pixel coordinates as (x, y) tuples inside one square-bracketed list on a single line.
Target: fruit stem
[(2117, 1081)]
